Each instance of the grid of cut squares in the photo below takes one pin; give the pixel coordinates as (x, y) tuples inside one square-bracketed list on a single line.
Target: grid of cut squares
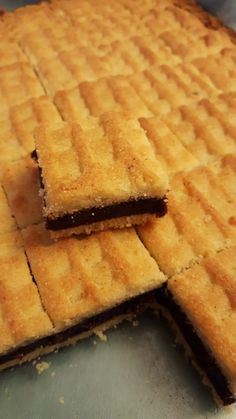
[(223, 80), (10, 53), (155, 91), (39, 44), (83, 65), (172, 17), (207, 199), (204, 129), (18, 124), (30, 19)]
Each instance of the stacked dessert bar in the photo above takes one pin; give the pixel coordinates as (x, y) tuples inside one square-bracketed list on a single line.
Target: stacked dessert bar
[(118, 120)]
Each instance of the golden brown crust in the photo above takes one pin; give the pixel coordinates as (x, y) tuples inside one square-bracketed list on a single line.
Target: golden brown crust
[(164, 55), (155, 91), (22, 316), (17, 126), (18, 82), (209, 305), (206, 129), (200, 221), (78, 278), (111, 164), (21, 184)]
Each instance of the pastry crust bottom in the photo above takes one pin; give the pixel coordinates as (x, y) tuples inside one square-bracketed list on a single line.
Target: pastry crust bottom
[(43, 350)]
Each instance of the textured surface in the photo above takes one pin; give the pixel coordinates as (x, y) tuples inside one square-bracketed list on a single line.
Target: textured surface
[(18, 124), (75, 278), (206, 129), (201, 220), (18, 83), (154, 91), (22, 317), (209, 304), (21, 184), (112, 164), (150, 90), (93, 274)]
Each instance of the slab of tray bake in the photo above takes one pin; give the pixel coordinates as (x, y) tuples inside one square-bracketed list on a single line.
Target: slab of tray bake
[(137, 373)]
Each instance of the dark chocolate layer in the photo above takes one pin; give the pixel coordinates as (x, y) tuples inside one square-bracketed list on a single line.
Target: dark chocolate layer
[(204, 359), (131, 306), (97, 214)]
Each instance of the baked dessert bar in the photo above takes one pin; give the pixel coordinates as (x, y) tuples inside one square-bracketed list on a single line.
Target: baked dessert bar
[(155, 91), (10, 53), (201, 304), (104, 177), (94, 283), (139, 53), (210, 66), (205, 128), (82, 284), (17, 126), (22, 316), (21, 184), (18, 83), (7, 221), (200, 221), (54, 293), (33, 18)]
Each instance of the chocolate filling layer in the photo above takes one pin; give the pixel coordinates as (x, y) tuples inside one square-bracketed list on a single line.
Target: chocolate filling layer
[(204, 359), (131, 306), (96, 214)]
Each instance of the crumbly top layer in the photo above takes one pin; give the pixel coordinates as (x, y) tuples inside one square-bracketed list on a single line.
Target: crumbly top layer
[(200, 221), (79, 278), (206, 293), (206, 129), (18, 82), (147, 58), (21, 184), (154, 91), (22, 317), (103, 166), (18, 124), (120, 58)]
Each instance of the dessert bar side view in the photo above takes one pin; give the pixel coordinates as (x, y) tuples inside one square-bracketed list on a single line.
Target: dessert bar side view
[(91, 177), (118, 177)]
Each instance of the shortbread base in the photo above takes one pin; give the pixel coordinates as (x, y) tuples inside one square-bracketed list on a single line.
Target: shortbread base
[(113, 223), (220, 388), (98, 323)]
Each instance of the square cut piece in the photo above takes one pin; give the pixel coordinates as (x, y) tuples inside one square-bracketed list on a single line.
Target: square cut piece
[(106, 177), (80, 278), (201, 302), (22, 316)]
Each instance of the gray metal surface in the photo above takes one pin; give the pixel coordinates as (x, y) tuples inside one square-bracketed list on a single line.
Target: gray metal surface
[(139, 373)]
